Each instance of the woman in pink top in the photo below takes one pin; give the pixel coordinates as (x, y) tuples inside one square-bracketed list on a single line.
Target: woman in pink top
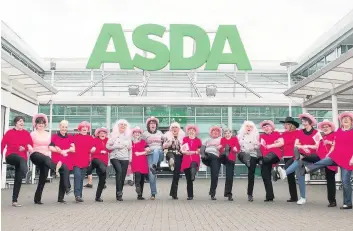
[(41, 154)]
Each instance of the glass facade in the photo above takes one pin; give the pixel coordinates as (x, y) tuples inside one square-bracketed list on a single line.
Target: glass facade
[(28, 119), (136, 115)]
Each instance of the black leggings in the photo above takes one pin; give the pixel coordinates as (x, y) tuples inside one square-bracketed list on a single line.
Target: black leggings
[(292, 184), (21, 170), (44, 163), (64, 184), (266, 169), (139, 182), (120, 167), (190, 175), (101, 172), (250, 162), (176, 175), (214, 162), (331, 185)]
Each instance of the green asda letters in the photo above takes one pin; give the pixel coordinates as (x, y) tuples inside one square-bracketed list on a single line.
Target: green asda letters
[(204, 53)]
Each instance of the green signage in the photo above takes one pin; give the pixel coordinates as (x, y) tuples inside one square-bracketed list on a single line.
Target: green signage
[(204, 53)]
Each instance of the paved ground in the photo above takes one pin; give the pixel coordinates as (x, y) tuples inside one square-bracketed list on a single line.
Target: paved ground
[(166, 214)]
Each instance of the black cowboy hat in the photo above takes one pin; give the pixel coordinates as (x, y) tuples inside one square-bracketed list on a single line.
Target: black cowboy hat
[(290, 120)]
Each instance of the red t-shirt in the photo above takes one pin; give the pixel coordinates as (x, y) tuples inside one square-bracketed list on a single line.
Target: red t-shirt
[(139, 163), (64, 143), (13, 139), (306, 139), (194, 145), (343, 151), (83, 146), (101, 153), (289, 138), (270, 139), (324, 149), (232, 142)]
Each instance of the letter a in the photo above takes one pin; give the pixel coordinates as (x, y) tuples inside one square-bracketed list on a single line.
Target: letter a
[(100, 55), (237, 56)]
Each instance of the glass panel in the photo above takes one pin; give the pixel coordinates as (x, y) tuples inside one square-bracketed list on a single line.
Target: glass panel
[(182, 111), (321, 64), (259, 112), (296, 111), (305, 73), (3, 112), (312, 69), (237, 123), (349, 47), (125, 112), (70, 110), (205, 123), (208, 111), (97, 122), (239, 112), (44, 109), (83, 110), (28, 119), (344, 49), (60, 110), (99, 110), (330, 57)]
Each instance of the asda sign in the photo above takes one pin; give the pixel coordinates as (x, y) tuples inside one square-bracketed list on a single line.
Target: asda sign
[(205, 53)]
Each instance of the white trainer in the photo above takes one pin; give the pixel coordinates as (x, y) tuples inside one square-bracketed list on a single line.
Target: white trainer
[(282, 173), (302, 201)]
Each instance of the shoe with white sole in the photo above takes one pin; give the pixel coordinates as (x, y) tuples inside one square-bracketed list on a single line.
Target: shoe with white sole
[(282, 173), (171, 164), (302, 201)]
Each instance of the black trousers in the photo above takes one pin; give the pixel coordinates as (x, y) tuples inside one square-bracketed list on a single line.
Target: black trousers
[(139, 181), (44, 163), (64, 183), (189, 178), (120, 167), (266, 169), (331, 185), (214, 162), (102, 175), (292, 185), (244, 157), (21, 170), (176, 175), (229, 178)]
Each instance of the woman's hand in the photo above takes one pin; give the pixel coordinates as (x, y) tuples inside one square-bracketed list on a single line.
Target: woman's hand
[(58, 149), (93, 149), (219, 147), (21, 149), (351, 161), (30, 148), (64, 153), (328, 142)]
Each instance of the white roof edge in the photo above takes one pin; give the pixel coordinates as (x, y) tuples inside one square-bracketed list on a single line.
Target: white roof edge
[(340, 29), (15, 40), (283, 101)]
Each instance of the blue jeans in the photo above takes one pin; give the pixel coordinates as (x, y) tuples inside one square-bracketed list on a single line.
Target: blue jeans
[(347, 187), (156, 156), (79, 175), (327, 161), (294, 167)]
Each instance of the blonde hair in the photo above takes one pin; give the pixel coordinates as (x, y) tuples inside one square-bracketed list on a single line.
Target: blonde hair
[(116, 132), (254, 134), (64, 122)]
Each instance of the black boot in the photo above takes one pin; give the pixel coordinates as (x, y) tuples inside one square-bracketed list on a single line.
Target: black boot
[(203, 152)]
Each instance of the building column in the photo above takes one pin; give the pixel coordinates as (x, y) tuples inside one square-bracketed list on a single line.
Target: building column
[(335, 111), (3, 162), (108, 117), (336, 123), (230, 118)]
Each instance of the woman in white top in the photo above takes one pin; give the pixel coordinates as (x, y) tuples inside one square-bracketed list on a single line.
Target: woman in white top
[(249, 145), (41, 154)]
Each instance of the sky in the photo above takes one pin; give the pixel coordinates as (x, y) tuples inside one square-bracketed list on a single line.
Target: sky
[(270, 29)]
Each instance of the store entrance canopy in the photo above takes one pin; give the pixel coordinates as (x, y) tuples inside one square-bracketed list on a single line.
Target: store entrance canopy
[(336, 78)]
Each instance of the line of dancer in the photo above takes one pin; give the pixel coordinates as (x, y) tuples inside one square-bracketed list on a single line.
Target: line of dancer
[(302, 150)]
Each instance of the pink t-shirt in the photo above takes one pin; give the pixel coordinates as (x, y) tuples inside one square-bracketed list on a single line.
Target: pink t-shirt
[(41, 142)]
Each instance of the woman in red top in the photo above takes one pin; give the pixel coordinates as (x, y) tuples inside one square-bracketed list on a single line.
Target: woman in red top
[(271, 154), (100, 157), (288, 137), (61, 147), (324, 147), (17, 142), (191, 159), (341, 154), (139, 163), (81, 158), (230, 147), (304, 151)]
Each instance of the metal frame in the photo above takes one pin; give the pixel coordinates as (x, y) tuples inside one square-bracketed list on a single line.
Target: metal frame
[(243, 85)]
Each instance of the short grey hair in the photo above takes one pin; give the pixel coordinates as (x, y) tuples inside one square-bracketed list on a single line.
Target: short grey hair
[(227, 130)]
